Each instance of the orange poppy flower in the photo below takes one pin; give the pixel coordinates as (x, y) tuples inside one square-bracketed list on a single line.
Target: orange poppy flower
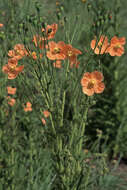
[(18, 52), (11, 90), (12, 53), (56, 50), (71, 53), (1, 25), (11, 101), (11, 68), (28, 107), (50, 31), (102, 45), (20, 49), (116, 46), (43, 121), (92, 83), (57, 64), (46, 113)]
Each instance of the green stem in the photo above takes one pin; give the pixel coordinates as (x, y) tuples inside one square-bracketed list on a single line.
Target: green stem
[(31, 160), (13, 145), (83, 124), (47, 99), (64, 96)]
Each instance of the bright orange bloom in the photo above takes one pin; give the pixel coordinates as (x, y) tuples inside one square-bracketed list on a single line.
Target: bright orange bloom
[(56, 50), (57, 64), (18, 52), (11, 68), (12, 53), (28, 107), (11, 90), (71, 53), (19, 48), (43, 121), (11, 101), (116, 46), (102, 45), (1, 25), (50, 31), (92, 83), (46, 113)]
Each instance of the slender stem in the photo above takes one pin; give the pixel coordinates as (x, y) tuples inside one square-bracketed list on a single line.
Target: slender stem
[(64, 96), (83, 124), (31, 160)]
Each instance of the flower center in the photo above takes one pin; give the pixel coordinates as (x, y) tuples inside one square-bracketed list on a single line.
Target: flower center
[(49, 31), (117, 47), (11, 68), (91, 84), (70, 53), (56, 50)]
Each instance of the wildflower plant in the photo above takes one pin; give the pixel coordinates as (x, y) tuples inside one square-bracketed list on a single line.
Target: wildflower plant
[(60, 82)]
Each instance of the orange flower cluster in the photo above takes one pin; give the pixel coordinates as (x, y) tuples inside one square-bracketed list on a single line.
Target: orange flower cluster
[(46, 114), (18, 52), (11, 101), (56, 51), (28, 107), (61, 51), (40, 42), (11, 91), (92, 83), (11, 69), (50, 31), (114, 48)]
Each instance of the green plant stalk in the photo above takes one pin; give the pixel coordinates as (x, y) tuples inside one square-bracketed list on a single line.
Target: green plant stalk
[(50, 116), (72, 135), (31, 160), (47, 103), (64, 94), (12, 151), (87, 178), (62, 111), (83, 124)]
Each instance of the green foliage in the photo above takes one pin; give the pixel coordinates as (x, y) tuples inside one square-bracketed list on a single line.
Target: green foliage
[(51, 156)]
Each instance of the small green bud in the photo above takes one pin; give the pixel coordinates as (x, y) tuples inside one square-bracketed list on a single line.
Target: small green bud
[(21, 25)]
